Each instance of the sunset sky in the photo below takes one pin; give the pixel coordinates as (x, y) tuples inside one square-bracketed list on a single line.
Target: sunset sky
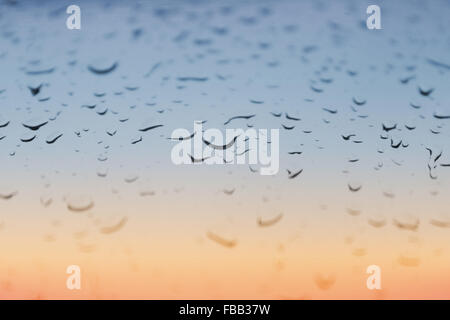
[(84, 181)]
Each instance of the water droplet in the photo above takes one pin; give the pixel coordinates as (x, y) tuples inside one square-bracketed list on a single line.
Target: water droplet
[(79, 203), (3, 122), (102, 158), (102, 172), (53, 137), (7, 193), (114, 227), (131, 178), (27, 137), (324, 282), (46, 200), (35, 124)]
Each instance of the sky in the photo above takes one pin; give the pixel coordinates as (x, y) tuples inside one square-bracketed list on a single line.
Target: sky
[(362, 115)]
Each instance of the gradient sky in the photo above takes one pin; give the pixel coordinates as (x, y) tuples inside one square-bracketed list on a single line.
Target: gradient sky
[(274, 52)]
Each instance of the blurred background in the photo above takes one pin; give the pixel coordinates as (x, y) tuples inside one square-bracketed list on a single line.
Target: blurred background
[(364, 113)]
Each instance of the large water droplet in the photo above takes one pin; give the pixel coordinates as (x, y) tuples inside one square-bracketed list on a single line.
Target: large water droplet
[(27, 137), (53, 137), (35, 123), (79, 203)]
